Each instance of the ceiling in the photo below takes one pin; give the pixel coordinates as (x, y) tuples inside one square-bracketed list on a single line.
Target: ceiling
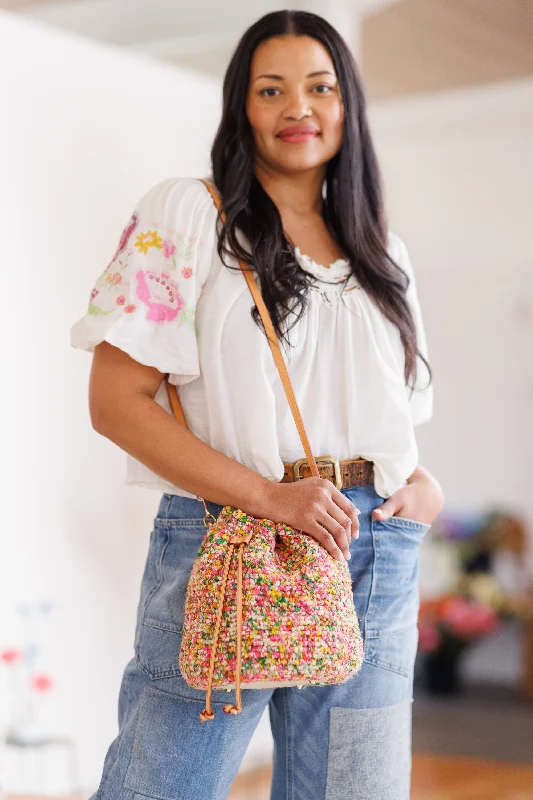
[(407, 47), (425, 46)]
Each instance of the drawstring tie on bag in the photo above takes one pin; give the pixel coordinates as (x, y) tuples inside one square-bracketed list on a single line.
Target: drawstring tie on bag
[(237, 541)]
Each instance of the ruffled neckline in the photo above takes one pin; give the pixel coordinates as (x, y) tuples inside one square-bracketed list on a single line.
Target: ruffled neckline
[(336, 272)]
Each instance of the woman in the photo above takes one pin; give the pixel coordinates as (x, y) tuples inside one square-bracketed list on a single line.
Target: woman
[(295, 166)]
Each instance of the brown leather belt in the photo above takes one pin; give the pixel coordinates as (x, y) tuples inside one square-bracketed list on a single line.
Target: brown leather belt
[(344, 474)]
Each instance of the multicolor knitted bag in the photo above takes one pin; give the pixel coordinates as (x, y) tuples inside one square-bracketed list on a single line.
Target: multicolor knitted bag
[(266, 605)]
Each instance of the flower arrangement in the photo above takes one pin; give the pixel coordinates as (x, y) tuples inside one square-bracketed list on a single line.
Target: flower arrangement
[(478, 599), (25, 682)]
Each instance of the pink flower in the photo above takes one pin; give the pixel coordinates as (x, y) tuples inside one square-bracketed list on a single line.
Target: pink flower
[(160, 294), (10, 656), (168, 249), (186, 272), (468, 619), (130, 309), (121, 300), (428, 638), (94, 293), (42, 683)]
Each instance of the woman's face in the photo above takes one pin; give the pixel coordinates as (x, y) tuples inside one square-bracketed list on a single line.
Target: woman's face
[(293, 83)]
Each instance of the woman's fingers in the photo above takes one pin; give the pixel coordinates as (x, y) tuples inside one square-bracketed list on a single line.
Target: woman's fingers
[(316, 507), (350, 510), (345, 514), (327, 541), (339, 525), (341, 520), (338, 516)]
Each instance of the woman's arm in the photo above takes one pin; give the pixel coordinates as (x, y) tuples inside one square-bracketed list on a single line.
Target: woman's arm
[(123, 409)]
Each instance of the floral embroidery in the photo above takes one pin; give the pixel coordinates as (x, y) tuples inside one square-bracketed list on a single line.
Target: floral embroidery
[(94, 311), (125, 237), (187, 249), (332, 282), (126, 233), (152, 286), (147, 240), (114, 278), (169, 248), (187, 318), (184, 249), (107, 280), (160, 294)]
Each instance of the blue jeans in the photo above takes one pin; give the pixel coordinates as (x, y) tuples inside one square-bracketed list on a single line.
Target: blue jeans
[(345, 742)]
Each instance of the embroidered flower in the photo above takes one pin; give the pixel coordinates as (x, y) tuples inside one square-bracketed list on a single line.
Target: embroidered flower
[(160, 294), (168, 248), (95, 311), (125, 236), (93, 294), (186, 272), (147, 240), (187, 247), (126, 233), (130, 309), (121, 300), (114, 278)]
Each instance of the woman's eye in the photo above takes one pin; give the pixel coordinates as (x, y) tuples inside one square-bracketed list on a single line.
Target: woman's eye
[(275, 89)]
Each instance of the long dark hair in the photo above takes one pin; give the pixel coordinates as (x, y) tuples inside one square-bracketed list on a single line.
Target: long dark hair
[(353, 206)]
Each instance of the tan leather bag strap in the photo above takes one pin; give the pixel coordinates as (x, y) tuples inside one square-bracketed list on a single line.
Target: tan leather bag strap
[(274, 346)]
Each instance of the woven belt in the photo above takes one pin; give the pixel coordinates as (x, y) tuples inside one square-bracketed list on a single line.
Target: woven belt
[(344, 474)]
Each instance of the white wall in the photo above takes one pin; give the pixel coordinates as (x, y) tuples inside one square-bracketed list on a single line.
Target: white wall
[(459, 171), (89, 130)]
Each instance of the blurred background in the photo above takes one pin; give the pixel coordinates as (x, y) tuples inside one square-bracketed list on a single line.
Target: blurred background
[(100, 100)]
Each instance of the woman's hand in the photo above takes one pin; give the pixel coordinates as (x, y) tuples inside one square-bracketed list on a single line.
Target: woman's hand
[(422, 499), (314, 506)]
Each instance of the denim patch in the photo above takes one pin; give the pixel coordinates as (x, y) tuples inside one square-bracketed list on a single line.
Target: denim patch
[(370, 753)]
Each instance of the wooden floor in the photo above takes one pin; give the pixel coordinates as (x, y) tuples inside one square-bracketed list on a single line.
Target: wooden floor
[(434, 778)]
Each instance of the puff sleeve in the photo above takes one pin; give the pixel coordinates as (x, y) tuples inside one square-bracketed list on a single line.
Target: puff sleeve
[(421, 399), (144, 301)]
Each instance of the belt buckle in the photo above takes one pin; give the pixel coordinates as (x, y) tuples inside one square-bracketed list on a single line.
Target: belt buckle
[(320, 459)]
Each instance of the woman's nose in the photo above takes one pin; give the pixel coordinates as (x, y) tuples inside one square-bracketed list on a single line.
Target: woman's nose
[(297, 107)]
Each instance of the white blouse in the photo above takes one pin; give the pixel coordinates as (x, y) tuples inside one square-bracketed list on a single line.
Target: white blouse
[(169, 302)]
